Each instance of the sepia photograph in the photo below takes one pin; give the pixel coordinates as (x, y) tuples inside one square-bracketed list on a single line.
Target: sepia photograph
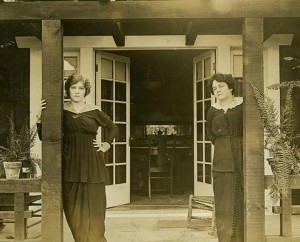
[(150, 120)]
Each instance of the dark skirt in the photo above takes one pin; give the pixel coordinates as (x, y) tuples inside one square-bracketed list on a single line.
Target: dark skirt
[(84, 207), (228, 194)]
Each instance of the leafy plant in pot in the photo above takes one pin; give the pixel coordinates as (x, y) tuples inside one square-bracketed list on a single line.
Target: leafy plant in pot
[(16, 154), (280, 136)]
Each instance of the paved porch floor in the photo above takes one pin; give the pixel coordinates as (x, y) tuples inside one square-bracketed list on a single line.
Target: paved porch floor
[(125, 224)]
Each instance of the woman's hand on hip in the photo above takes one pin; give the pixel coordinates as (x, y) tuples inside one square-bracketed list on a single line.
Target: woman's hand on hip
[(101, 147)]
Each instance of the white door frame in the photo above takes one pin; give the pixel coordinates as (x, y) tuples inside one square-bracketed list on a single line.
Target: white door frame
[(202, 160), (116, 193)]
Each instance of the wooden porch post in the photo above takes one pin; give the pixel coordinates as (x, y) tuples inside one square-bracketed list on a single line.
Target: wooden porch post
[(52, 73), (253, 132)]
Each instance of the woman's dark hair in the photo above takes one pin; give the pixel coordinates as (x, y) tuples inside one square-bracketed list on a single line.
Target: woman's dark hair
[(220, 77), (73, 79)]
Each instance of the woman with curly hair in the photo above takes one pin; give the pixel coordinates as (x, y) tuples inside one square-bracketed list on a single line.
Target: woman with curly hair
[(84, 173), (224, 126)]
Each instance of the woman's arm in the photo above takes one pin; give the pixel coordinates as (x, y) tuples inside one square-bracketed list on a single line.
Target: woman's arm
[(209, 132)]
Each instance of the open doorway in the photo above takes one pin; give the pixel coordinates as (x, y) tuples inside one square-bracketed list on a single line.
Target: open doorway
[(161, 99)]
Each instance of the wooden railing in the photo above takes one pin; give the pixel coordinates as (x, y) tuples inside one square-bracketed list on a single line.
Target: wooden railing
[(286, 209), (20, 188)]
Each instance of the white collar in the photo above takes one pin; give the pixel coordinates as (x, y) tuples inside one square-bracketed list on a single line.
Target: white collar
[(236, 101), (86, 108)]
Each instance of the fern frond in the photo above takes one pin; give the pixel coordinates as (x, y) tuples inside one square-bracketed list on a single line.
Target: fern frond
[(267, 110), (287, 120)]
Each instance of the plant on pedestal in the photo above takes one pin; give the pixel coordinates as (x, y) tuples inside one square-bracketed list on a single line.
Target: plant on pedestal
[(16, 154)]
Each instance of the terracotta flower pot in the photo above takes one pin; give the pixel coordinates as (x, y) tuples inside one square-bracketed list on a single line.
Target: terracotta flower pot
[(12, 169)]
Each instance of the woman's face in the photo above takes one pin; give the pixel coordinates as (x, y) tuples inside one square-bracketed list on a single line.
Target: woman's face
[(221, 90), (77, 92)]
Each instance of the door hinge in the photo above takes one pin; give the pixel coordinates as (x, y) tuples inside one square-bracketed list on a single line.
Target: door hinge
[(96, 67)]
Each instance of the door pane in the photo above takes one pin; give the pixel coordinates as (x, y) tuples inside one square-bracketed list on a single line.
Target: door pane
[(120, 153), (207, 67), (120, 71), (200, 152), (109, 155), (120, 174), (199, 131), (199, 90), (106, 68), (120, 91), (200, 172), (107, 90), (207, 93), (121, 112), (199, 70), (122, 133), (107, 107), (199, 111)]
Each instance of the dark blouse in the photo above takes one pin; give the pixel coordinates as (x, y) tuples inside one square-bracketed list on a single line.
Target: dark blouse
[(225, 131), (81, 161)]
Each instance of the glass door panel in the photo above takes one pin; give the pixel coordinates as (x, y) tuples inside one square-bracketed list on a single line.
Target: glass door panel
[(106, 68), (107, 91), (120, 91), (107, 107), (203, 69), (112, 95)]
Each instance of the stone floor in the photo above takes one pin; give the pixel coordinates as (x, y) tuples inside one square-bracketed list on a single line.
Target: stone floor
[(155, 225), (158, 220)]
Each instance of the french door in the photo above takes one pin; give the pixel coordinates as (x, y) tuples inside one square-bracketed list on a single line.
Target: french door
[(112, 96), (203, 68)]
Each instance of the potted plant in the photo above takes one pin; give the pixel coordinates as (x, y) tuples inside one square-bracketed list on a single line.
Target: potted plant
[(280, 136), (16, 155)]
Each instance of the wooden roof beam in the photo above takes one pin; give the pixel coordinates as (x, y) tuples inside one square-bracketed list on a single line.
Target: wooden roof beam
[(34, 29), (118, 10), (118, 34), (191, 35)]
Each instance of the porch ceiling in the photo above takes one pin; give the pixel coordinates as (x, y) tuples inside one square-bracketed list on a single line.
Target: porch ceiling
[(119, 29), (127, 18)]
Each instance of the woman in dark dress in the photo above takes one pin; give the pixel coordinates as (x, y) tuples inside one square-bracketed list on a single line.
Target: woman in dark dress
[(84, 175), (225, 130)]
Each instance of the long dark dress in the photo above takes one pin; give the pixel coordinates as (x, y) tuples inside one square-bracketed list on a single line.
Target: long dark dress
[(225, 130), (84, 174)]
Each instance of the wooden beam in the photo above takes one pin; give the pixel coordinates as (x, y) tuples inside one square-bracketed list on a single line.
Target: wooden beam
[(11, 214), (118, 10), (278, 209), (118, 34), (191, 35), (20, 221), (52, 92), (25, 185), (286, 215), (34, 29), (282, 239), (253, 133)]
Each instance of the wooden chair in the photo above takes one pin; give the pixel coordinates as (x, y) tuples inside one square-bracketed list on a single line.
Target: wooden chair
[(160, 162), (205, 203)]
